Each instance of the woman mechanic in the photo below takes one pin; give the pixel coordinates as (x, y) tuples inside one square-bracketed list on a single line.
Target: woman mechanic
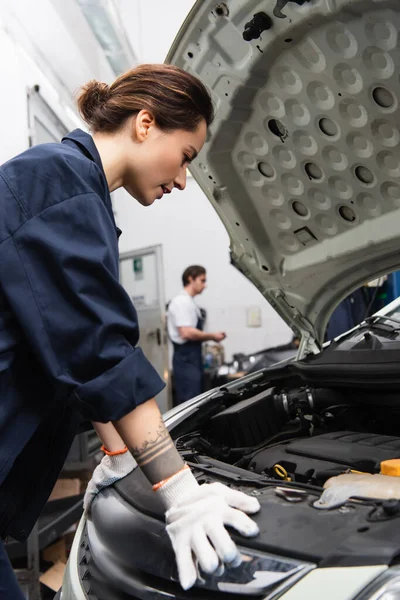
[(68, 330)]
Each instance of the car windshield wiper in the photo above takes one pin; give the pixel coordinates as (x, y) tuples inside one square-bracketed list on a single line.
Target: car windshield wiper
[(371, 320), (374, 322)]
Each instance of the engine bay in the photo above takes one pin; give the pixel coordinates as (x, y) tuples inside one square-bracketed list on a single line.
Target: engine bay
[(303, 434), (284, 435)]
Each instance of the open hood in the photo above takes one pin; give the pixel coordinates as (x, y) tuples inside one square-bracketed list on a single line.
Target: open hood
[(302, 162)]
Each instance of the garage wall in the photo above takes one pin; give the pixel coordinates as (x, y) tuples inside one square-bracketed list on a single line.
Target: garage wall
[(42, 43), (185, 223)]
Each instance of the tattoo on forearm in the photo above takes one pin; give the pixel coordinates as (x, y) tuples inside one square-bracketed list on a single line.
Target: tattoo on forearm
[(158, 458)]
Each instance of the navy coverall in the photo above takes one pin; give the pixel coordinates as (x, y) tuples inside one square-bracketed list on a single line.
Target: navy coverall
[(68, 330), (187, 364)]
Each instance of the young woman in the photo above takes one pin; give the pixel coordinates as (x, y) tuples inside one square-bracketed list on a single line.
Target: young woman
[(68, 330)]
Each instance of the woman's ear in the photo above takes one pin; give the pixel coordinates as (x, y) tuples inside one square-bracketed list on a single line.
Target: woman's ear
[(142, 124)]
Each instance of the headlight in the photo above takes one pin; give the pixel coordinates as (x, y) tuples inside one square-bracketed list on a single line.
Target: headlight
[(259, 573), (384, 587)]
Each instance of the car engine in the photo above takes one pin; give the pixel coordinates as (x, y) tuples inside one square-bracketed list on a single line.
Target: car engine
[(304, 434)]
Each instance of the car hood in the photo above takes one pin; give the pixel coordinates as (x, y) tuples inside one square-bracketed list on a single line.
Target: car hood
[(302, 162)]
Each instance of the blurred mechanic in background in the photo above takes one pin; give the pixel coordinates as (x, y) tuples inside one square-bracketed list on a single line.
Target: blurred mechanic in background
[(185, 329)]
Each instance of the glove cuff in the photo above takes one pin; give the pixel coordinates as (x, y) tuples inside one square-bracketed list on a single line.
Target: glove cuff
[(119, 464), (115, 452), (173, 490)]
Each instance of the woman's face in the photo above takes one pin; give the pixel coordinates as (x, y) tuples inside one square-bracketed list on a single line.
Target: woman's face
[(159, 159)]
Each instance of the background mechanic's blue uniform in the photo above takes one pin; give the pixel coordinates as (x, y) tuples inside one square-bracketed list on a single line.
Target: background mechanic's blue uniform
[(68, 330), (187, 362)]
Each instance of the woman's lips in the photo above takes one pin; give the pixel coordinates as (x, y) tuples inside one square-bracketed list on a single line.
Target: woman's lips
[(164, 190)]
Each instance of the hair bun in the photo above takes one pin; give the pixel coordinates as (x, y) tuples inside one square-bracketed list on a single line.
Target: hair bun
[(93, 95)]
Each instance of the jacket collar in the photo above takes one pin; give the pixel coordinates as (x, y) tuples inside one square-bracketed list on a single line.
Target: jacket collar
[(85, 143)]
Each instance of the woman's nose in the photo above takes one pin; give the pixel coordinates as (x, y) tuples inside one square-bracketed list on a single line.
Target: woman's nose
[(180, 181)]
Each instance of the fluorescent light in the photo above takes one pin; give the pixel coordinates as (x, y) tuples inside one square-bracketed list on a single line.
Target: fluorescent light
[(106, 24)]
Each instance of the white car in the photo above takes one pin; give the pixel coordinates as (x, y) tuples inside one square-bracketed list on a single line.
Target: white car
[(302, 164)]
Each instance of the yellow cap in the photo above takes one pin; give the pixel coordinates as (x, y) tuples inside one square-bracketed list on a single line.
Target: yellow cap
[(391, 467)]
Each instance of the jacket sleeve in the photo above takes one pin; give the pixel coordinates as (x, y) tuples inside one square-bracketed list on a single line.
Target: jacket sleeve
[(59, 272)]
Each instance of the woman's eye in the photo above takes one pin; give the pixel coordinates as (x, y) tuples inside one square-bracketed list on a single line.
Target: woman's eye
[(186, 159)]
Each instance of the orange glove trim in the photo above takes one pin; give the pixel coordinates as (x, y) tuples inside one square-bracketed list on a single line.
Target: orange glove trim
[(115, 453), (157, 486)]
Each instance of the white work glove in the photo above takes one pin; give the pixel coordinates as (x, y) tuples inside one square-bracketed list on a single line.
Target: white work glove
[(196, 518), (111, 468)]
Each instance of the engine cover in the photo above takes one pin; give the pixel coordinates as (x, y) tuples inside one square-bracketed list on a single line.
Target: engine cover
[(319, 457)]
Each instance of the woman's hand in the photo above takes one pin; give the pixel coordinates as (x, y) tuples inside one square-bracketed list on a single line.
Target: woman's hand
[(196, 515), (112, 468), (116, 464), (196, 519)]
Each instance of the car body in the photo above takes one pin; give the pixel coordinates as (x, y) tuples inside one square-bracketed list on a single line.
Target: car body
[(302, 165)]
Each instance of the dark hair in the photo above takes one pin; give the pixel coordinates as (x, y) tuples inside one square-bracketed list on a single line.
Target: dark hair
[(176, 99), (193, 271)]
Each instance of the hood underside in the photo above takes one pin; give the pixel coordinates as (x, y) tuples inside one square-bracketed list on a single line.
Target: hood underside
[(302, 162)]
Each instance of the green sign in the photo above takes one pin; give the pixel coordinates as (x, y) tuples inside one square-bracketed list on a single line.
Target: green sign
[(138, 265)]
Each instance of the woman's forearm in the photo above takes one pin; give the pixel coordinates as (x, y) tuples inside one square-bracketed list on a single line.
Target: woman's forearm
[(109, 436), (146, 436)]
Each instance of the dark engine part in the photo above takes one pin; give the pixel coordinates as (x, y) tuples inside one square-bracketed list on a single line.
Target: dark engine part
[(315, 459), (249, 422), (255, 420), (254, 28), (308, 400)]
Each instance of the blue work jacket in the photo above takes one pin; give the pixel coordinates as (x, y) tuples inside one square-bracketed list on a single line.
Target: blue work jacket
[(68, 329)]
